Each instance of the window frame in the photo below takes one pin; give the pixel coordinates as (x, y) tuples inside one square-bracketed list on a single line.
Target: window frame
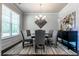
[(11, 11)]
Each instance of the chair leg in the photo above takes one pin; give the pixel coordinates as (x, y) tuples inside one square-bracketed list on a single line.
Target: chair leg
[(44, 48), (23, 44), (35, 49)]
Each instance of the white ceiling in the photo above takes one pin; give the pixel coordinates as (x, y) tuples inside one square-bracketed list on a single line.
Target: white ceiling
[(45, 7)]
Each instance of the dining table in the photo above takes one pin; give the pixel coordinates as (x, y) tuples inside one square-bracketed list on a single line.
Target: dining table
[(46, 35)]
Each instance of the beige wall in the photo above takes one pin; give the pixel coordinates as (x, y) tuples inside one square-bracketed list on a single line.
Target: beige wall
[(10, 41), (29, 21)]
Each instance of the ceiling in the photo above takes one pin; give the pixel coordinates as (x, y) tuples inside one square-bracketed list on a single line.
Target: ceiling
[(45, 7)]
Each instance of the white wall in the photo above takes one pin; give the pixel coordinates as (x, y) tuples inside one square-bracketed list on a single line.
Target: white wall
[(71, 7), (10, 41), (51, 18), (0, 26)]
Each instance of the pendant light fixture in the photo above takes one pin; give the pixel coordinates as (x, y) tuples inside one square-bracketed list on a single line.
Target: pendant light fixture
[(40, 17)]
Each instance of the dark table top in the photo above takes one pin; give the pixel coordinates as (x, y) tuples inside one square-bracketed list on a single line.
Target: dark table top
[(46, 35)]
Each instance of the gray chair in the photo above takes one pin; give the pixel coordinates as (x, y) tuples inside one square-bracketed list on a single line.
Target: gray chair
[(50, 34), (28, 32), (53, 39), (25, 38), (29, 35), (39, 39)]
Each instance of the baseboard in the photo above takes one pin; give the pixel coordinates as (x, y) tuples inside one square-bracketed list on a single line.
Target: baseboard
[(6, 49)]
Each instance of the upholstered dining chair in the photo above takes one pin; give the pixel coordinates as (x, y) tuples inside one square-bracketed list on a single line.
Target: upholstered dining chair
[(25, 39), (28, 32), (50, 34), (54, 36), (39, 39), (53, 39)]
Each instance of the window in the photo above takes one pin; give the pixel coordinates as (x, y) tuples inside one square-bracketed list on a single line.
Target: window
[(10, 22), (15, 23)]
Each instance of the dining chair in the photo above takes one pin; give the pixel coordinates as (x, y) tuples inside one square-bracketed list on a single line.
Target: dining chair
[(25, 39), (53, 40), (39, 39), (55, 32), (28, 32), (50, 34)]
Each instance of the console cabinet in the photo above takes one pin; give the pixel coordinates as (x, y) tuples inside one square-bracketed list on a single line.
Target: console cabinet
[(69, 38)]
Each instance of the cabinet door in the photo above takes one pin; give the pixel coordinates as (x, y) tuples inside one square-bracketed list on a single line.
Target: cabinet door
[(72, 36)]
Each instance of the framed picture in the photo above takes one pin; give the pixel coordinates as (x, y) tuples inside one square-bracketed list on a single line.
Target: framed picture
[(69, 22)]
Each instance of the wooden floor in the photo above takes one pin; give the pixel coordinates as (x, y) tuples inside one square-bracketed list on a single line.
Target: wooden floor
[(29, 50)]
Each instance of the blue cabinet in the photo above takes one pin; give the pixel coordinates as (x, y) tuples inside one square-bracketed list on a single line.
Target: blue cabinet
[(69, 38)]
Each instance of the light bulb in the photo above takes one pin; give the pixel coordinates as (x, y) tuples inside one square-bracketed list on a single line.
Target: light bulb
[(36, 17), (40, 16), (43, 17)]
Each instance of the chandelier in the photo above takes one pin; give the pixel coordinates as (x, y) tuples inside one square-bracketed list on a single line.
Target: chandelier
[(40, 17)]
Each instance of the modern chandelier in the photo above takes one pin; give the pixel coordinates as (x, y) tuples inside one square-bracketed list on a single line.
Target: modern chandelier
[(40, 17)]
